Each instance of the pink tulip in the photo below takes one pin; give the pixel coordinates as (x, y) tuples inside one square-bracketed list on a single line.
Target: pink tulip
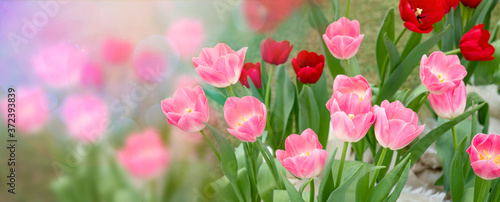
[(350, 116), (188, 109), (246, 117), (484, 153), (343, 39), (188, 35), (31, 109), (116, 51), (395, 125), (304, 156), (220, 66), (86, 117), (441, 73), (144, 154), (357, 85), (275, 52), (449, 104), (91, 76), (151, 65)]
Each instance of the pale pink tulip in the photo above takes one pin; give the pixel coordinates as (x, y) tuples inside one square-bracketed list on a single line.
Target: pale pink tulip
[(395, 125), (304, 156), (357, 85), (449, 104), (484, 153), (31, 109), (116, 51), (246, 117), (86, 117), (350, 116), (188, 109), (441, 73), (220, 66), (343, 39), (188, 35), (144, 154)]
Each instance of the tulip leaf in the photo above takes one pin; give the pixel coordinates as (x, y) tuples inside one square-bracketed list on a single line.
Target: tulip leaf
[(420, 146), (387, 28), (211, 93), (413, 41), (244, 184), (326, 185), (363, 188), (384, 187), (318, 21), (223, 189), (393, 53), (321, 95), (481, 14), (400, 185), (255, 92), (283, 105), (308, 111), (229, 163), (405, 68), (280, 195), (416, 102), (292, 192), (495, 191), (265, 183), (339, 194), (483, 113), (449, 40), (457, 172)]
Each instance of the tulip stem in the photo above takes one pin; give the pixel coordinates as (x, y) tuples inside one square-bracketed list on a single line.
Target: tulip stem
[(455, 143), (211, 145), (484, 189), (347, 8), (379, 163), (452, 52), (348, 67), (311, 185), (341, 166), (268, 88), (230, 91)]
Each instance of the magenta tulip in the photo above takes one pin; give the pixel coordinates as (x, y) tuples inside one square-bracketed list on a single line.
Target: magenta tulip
[(441, 73), (484, 153), (246, 117), (188, 109), (144, 154), (395, 125), (450, 104), (343, 39), (304, 156), (357, 85), (220, 66)]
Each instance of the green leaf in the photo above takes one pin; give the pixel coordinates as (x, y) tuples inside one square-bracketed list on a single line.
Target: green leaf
[(224, 190), (363, 188), (413, 41), (321, 95), (481, 13), (416, 102), (244, 184), (387, 28), (457, 175), (406, 67), (393, 53), (265, 183), (308, 111), (384, 187), (284, 90), (280, 196), (290, 189), (484, 74), (483, 113), (400, 185), (420, 146), (338, 195), (254, 90), (326, 185), (336, 9), (214, 95)]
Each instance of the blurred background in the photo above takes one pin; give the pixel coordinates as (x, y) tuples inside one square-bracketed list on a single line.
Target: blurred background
[(89, 77)]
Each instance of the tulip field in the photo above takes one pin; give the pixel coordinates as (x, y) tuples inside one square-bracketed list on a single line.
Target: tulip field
[(250, 100)]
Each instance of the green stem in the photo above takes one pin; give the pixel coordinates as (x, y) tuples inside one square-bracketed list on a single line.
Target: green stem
[(268, 88), (452, 52), (379, 163), (484, 191), (231, 92), (311, 185), (348, 67), (211, 145), (347, 8), (249, 160), (341, 166), (403, 31), (454, 137)]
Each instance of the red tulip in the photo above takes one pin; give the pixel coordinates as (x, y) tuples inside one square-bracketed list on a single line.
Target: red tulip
[(253, 71), (471, 3), (474, 44), (275, 52), (420, 15), (449, 4), (266, 15), (308, 66)]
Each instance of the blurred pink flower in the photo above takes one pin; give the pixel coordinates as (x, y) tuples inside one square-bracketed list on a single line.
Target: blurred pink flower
[(91, 75), (59, 65), (246, 117), (188, 109), (150, 65), (484, 153), (185, 81), (451, 103), (220, 66), (304, 156), (31, 109), (441, 73), (395, 126), (188, 35), (116, 51), (86, 117), (266, 15), (343, 39), (144, 154)]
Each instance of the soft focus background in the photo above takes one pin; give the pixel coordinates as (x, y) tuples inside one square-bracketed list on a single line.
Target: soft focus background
[(89, 75)]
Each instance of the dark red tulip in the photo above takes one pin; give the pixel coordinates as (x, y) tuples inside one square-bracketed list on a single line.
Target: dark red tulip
[(252, 70), (474, 44), (450, 4), (420, 15), (275, 52), (308, 66), (471, 3)]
